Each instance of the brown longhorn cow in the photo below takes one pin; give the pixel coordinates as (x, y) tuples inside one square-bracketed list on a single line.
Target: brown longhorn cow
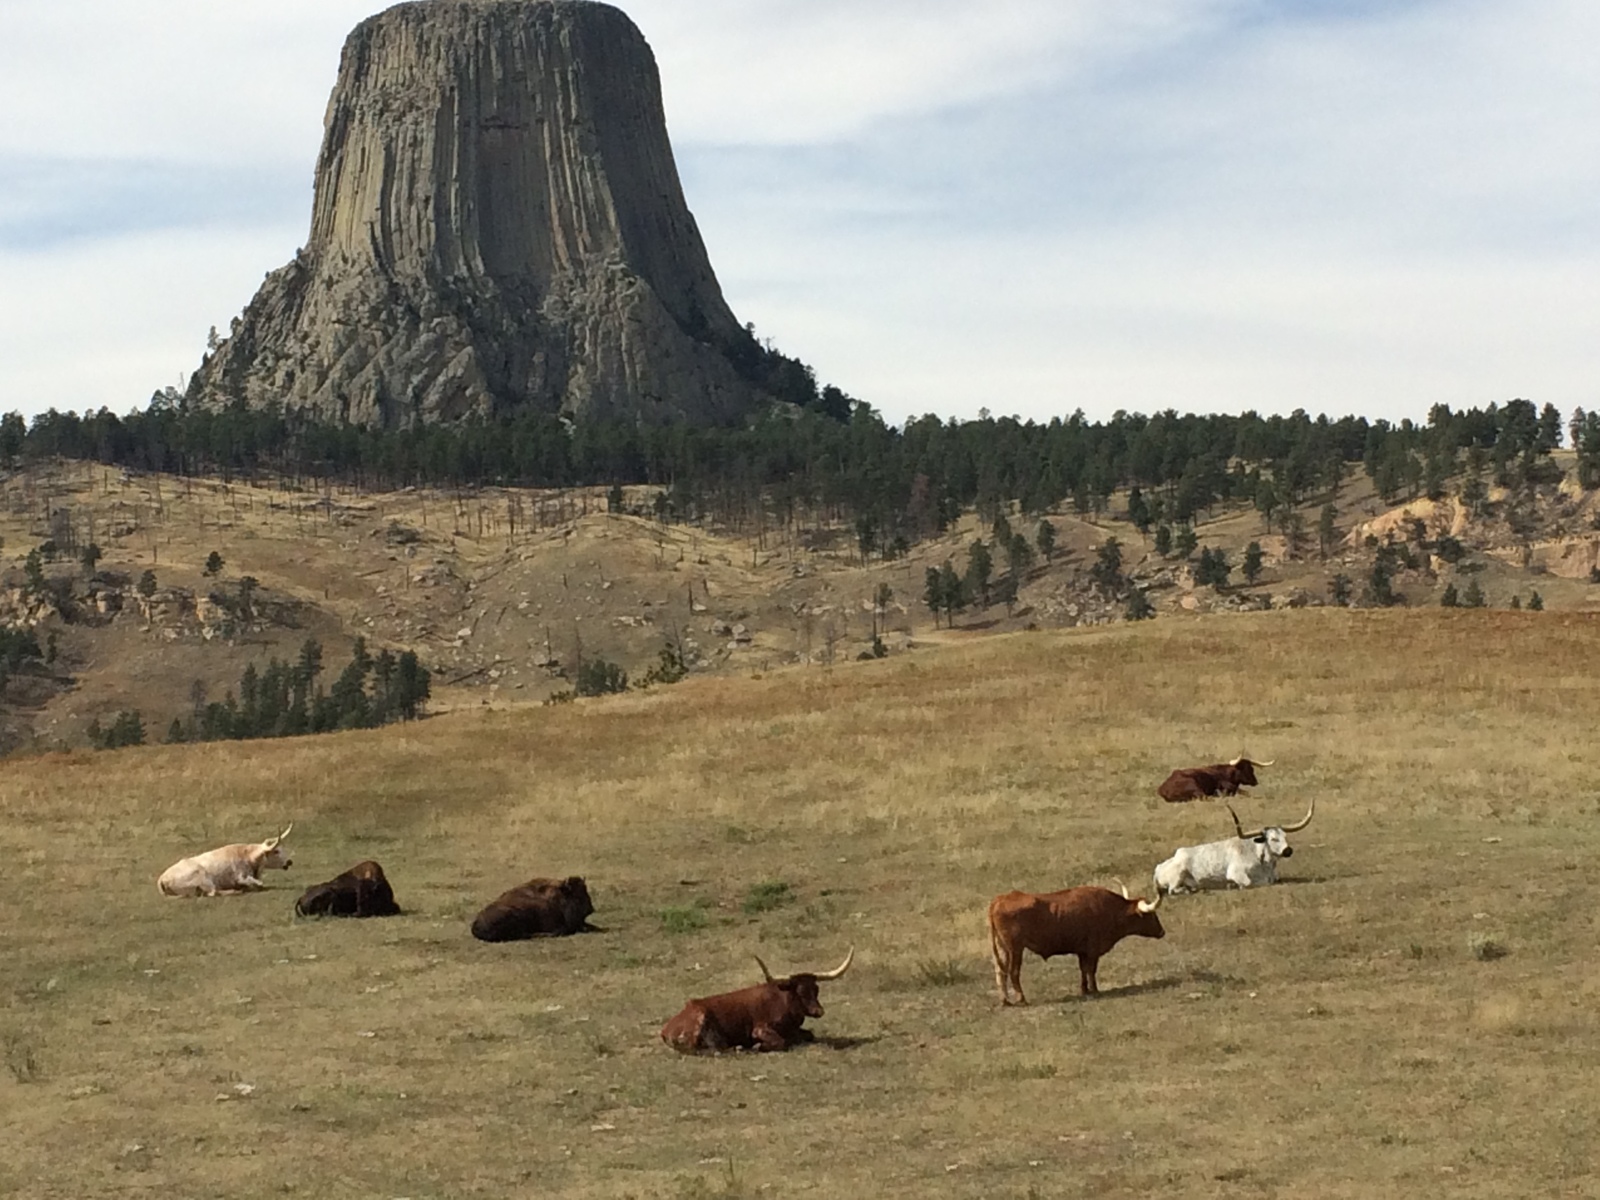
[(1219, 779), (1086, 921), (768, 1016), (538, 908), (362, 891)]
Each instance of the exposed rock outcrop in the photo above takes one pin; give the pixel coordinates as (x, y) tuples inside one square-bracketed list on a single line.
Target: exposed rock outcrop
[(498, 223)]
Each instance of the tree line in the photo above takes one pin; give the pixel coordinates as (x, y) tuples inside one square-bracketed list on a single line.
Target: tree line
[(841, 460), (285, 700)]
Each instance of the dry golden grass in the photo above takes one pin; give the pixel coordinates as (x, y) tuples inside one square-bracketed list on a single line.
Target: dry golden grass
[(1342, 1034)]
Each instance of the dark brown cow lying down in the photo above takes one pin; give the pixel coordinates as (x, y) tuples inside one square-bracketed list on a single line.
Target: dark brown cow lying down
[(539, 908), (362, 891)]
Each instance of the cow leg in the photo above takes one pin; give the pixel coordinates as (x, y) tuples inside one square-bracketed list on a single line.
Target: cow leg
[(692, 1036), (768, 1038), (1016, 979), (1002, 972), (1088, 964)]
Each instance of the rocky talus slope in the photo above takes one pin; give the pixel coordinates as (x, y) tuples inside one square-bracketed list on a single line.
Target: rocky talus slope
[(497, 223)]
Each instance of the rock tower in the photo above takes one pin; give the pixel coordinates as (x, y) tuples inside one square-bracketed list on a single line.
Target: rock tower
[(497, 224)]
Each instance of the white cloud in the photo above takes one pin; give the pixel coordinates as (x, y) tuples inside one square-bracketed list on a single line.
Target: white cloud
[(781, 71), (105, 323)]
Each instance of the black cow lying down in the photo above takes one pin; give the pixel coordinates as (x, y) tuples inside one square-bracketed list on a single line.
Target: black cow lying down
[(538, 908), (362, 891)]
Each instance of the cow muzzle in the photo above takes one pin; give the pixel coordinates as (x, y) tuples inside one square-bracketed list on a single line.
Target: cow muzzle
[(1288, 852)]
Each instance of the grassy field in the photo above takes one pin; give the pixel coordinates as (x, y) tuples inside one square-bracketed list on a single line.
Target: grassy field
[(1409, 1013)]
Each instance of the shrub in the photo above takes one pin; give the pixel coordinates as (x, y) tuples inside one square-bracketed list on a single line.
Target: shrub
[(763, 897), (669, 667), (682, 918), (598, 677), (1486, 947), (940, 972)]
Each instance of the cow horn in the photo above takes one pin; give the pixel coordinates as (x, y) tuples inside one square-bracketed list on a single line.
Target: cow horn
[(1237, 828), (1149, 906), (1268, 763), (1123, 886), (1304, 823), (1237, 761), (763, 967), (840, 969)]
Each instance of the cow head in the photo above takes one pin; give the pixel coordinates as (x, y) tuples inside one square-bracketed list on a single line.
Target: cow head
[(1142, 919), (576, 907), (1273, 839), (801, 990), (1244, 769), (273, 854)]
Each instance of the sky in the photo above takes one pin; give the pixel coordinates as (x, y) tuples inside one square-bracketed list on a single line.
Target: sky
[(1024, 206)]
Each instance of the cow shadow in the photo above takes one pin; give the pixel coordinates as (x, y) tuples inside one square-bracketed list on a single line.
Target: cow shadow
[(839, 1042), (1297, 880), (1164, 983)]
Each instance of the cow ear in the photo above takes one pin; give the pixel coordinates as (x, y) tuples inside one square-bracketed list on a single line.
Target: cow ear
[(1262, 839), (575, 881)]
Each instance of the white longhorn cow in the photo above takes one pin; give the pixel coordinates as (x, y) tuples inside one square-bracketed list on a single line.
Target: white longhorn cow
[(1248, 860), (226, 870)]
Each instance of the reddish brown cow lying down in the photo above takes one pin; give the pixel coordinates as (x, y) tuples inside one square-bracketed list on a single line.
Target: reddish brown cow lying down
[(767, 1016)]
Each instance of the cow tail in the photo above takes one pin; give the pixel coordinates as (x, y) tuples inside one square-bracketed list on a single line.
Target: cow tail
[(1001, 958)]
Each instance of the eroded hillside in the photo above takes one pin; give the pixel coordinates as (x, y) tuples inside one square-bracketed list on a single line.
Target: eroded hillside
[(501, 592)]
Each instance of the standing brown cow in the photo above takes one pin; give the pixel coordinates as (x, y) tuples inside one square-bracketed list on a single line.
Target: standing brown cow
[(539, 908), (768, 1016), (1086, 921), (1225, 779)]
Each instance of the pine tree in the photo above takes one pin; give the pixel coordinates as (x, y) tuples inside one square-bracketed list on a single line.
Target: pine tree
[(33, 572), (1252, 563), (1045, 539), (1185, 541), (933, 592), (980, 569), (1139, 606), (953, 590), (1107, 569)]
